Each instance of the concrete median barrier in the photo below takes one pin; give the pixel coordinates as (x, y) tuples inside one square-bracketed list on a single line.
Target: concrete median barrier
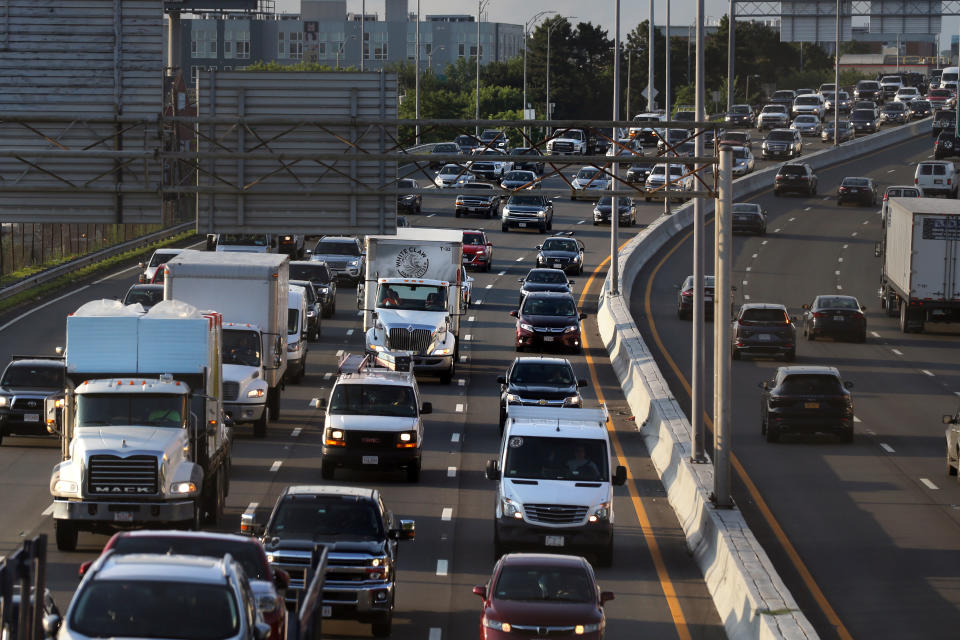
[(750, 596)]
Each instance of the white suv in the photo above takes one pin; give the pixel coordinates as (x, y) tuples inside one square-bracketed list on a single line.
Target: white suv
[(936, 177)]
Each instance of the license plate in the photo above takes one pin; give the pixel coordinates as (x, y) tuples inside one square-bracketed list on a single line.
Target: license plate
[(548, 338), (521, 224), (123, 516), (31, 417), (937, 181), (553, 541), (326, 611), (556, 265), (371, 459), (811, 405), (708, 298), (838, 318), (764, 337), (466, 260)]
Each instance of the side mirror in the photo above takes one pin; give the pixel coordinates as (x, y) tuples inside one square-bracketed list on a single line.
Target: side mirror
[(521, 280), (308, 252), (493, 470), (142, 265), (480, 590), (806, 306), (538, 247), (501, 380), (85, 566), (261, 631), (583, 316), (318, 403), (763, 385), (59, 351), (514, 313), (571, 282), (281, 579), (947, 419), (426, 408), (249, 525), (848, 384), (581, 382), (606, 596), (51, 624), (408, 530), (620, 476), (863, 308)]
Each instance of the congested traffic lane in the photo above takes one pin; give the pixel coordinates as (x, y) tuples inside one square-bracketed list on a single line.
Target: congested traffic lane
[(874, 522), (453, 502)]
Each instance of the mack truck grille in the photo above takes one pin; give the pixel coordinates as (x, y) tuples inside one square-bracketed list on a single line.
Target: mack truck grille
[(115, 476), (231, 390), (555, 513), (416, 340)]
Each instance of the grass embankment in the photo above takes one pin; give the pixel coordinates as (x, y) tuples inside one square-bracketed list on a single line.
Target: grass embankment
[(38, 292)]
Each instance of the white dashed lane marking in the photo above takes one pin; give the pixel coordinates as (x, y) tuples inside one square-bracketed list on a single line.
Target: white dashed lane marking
[(580, 221), (327, 375), (791, 219), (471, 318), (764, 242), (489, 286), (349, 332), (520, 259), (502, 273), (875, 334), (296, 432), (891, 170), (898, 352), (808, 208), (776, 230), (447, 514), (454, 437), (845, 246), (251, 508), (435, 634), (464, 358), (340, 353), (467, 337), (839, 288), (478, 301), (856, 419), (461, 382), (866, 222), (754, 256), (836, 273), (749, 268), (886, 447), (430, 215), (48, 511), (926, 372), (451, 472), (928, 484), (854, 233), (442, 567), (458, 408), (276, 466)]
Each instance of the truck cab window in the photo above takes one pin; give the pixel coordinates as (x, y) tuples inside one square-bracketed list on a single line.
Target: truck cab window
[(241, 347)]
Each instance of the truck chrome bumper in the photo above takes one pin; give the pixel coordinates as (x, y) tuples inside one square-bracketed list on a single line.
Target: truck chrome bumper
[(243, 412), (122, 513)]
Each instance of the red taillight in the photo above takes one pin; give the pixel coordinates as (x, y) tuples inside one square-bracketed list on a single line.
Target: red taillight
[(686, 294), (915, 181), (949, 180), (819, 314), (885, 196)]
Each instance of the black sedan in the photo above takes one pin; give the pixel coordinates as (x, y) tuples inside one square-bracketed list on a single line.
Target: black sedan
[(919, 109), (561, 252), (540, 382), (894, 113), (626, 206), (749, 217), (740, 115), (846, 131), (836, 316), (806, 399), (797, 177), (763, 329), (324, 283), (639, 172), (685, 298), (864, 121), (546, 320), (861, 191), (408, 202), (533, 163), (544, 280)]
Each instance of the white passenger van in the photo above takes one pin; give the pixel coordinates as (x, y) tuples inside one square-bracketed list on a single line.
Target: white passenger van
[(555, 482)]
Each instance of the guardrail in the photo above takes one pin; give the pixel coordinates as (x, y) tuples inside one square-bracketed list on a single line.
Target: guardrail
[(62, 269), (750, 597)]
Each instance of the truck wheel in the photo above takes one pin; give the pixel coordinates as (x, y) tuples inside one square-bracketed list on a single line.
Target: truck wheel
[(447, 376), (384, 627), (951, 468), (273, 403), (846, 436), (891, 305), (327, 469), (903, 318), (67, 534), (196, 523), (260, 426), (413, 472), (214, 503)]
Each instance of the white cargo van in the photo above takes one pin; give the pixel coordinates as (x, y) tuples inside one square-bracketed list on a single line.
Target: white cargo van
[(296, 333), (555, 482)]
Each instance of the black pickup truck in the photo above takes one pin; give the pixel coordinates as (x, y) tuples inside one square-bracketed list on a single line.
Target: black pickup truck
[(361, 537), (26, 383)]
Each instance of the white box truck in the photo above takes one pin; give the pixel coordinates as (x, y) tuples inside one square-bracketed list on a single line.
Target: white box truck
[(411, 297), (143, 442), (920, 281), (250, 290)]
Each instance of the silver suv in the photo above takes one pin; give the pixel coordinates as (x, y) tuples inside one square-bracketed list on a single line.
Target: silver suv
[(343, 255)]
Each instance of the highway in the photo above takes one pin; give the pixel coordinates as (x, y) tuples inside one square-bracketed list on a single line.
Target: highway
[(659, 589), (864, 535)]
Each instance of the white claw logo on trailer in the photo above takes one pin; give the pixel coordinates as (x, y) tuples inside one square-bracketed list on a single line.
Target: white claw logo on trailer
[(412, 262)]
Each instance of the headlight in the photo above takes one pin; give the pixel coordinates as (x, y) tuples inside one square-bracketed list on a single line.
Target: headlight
[(600, 513), (576, 258), (541, 214), (513, 398), (255, 393), (571, 401), (407, 440), (526, 327), (65, 486), (376, 348), (311, 313), (267, 603), (293, 346), (354, 262), (496, 625), (335, 438), (572, 328), (183, 487), (3, 401), (324, 289), (511, 509), (581, 629), (441, 351)]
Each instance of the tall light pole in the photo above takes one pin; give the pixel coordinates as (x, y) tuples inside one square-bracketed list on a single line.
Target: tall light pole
[(836, 82), (526, 39), (363, 32), (651, 105), (614, 200), (626, 109), (731, 52), (696, 394), (553, 26), (416, 81), (666, 107), (481, 5)]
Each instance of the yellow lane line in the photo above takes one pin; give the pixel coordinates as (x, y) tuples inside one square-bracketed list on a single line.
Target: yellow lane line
[(673, 602)]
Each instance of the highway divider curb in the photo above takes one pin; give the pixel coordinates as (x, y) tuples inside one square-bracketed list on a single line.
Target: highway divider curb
[(751, 598)]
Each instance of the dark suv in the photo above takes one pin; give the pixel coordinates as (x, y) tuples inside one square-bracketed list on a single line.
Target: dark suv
[(26, 383), (762, 329), (361, 537), (796, 177), (548, 319), (540, 382), (806, 399), (323, 282)]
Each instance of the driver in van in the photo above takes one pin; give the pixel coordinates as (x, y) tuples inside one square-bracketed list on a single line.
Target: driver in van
[(581, 465)]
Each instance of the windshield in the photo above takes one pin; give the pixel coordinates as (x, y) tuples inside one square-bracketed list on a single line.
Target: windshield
[(123, 409), (314, 272), (764, 316), (545, 458), (547, 276), (837, 302), (740, 108), (806, 119), (487, 136), (588, 173), (128, 609), (542, 372), (869, 86), (446, 147), (854, 182), (807, 100), (773, 109), (528, 201), (241, 347), (526, 176), (473, 239), (564, 584), (146, 297), (337, 248), (783, 94), (558, 244), (538, 306), (27, 375), (293, 321), (745, 207), (161, 258), (246, 553), (412, 297), (313, 517), (373, 399), (780, 135), (242, 239), (810, 384), (741, 153)]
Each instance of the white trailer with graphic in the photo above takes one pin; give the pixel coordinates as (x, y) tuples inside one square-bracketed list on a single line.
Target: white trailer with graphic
[(920, 280), (411, 297), (250, 290), (142, 439)]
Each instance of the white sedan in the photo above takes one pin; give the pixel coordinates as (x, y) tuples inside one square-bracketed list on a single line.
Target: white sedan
[(466, 286), (452, 175), (907, 94), (743, 161), (807, 125)]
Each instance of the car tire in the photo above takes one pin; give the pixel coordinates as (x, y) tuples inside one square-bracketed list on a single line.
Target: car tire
[(327, 469), (951, 469), (447, 376), (543, 228), (846, 436), (489, 266), (550, 225), (196, 522), (811, 336), (67, 534), (456, 214), (791, 355), (771, 434), (503, 420), (504, 228), (384, 627), (413, 473), (862, 337)]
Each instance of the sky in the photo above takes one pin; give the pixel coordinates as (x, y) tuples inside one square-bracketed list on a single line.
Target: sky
[(632, 12)]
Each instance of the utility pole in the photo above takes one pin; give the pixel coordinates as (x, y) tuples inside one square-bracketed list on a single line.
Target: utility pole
[(556, 23), (651, 105), (696, 395), (526, 42), (363, 32), (666, 106), (417, 80), (614, 200), (626, 109), (731, 53), (722, 422), (836, 83)]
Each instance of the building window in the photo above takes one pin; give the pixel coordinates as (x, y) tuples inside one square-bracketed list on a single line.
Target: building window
[(380, 45), (461, 49), (290, 45), (281, 51), (195, 73), (241, 45), (203, 44), (366, 45)]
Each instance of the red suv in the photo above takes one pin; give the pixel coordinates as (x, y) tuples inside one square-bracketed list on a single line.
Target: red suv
[(548, 319), (477, 250), (267, 583), (542, 595)]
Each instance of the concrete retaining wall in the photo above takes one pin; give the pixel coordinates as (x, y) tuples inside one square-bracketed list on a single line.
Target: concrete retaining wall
[(752, 600)]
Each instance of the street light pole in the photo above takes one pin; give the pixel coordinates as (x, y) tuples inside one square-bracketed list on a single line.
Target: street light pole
[(731, 52), (363, 32), (696, 395), (481, 4), (836, 82), (666, 108), (417, 78), (615, 201), (626, 109), (651, 105), (526, 41)]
